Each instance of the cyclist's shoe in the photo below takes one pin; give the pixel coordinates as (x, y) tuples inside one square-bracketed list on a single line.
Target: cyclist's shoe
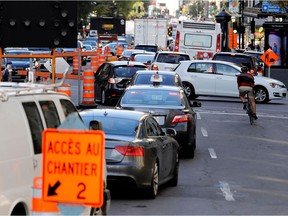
[(254, 116), (244, 106)]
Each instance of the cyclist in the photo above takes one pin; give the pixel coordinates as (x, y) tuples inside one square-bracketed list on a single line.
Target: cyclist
[(246, 83)]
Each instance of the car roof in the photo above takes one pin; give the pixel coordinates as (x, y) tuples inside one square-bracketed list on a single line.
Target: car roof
[(210, 61), (171, 52), (232, 53), (173, 73), (158, 87), (124, 63), (127, 114)]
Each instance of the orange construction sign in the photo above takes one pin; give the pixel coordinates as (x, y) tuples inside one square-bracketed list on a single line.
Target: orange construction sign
[(73, 166), (269, 57)]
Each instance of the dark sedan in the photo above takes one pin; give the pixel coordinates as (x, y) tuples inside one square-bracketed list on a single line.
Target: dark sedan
[(137, 151), (111, 79), (170, 106)]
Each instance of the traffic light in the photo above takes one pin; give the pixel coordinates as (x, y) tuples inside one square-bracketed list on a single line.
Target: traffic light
[(170, 29)]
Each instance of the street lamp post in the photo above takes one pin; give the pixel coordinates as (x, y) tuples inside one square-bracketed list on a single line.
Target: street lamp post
[(223, 18)]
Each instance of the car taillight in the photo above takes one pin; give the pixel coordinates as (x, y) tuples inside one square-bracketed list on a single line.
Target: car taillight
[(130, 150), (177, 40), (181, 118), (218, 43)]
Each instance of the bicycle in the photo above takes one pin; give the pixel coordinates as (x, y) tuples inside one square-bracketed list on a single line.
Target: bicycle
[(249, 110)]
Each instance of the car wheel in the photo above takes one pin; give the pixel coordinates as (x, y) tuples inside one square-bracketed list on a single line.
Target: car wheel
[(174, 180), (261, 95), (104, 100), (153, 190), (189, 90)]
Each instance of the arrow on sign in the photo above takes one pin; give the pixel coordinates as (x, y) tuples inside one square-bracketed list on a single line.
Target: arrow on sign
[(52, 190)]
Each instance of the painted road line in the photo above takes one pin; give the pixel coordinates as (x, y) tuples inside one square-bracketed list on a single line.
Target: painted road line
[(212, 153), (204, 132), (224, 187), (243, 114), (198, 115)]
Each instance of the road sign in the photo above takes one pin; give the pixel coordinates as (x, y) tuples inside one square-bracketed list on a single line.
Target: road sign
[(61, 65), (270, 7), (269, 57), (73, 166)]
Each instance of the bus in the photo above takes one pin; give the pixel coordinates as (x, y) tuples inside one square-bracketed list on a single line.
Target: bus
[(200, 39)]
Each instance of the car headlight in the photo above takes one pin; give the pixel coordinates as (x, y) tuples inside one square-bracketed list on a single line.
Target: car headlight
[(275, 85)]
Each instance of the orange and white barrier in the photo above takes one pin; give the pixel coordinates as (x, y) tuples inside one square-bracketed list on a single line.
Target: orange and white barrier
[(107, 51), (94, 62), (88, 97), (39, 206), (65, 88), (119, 51), (76, 64)]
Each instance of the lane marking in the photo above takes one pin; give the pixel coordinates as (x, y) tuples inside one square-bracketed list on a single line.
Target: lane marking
[(224, 187), (242, 114), (198, 115), (212, 153), (204, 132)]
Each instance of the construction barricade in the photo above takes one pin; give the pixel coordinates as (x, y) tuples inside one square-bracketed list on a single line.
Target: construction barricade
[(107, 51), (76, 64), (39, 206), (88, 95), (65, 88), (94, 62)]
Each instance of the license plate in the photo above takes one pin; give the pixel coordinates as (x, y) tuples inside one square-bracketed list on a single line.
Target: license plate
[(160, 119)]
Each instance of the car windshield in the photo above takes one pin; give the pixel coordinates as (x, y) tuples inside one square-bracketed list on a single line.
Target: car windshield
[(118, 126), (172, 58), (152, 97), (239, 60), (127, 71)]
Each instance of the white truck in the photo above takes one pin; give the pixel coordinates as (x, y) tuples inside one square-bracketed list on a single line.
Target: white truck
[(151, 31)]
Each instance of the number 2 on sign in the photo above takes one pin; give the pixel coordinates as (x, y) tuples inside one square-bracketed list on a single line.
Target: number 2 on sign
[(82, 189)]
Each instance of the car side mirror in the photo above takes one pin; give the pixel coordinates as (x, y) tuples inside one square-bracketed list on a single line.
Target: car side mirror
[(171, 132), (95, 125)]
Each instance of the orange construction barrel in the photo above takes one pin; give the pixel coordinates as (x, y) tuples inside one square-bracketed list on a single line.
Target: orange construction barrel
[(65, 88), (39, 206), (88, 94)]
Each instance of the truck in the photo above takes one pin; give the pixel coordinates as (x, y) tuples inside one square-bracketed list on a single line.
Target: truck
[(151, 31), (200, 39)]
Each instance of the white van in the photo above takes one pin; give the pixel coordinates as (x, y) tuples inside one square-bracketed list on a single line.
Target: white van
[(25, 111), (200, 39)]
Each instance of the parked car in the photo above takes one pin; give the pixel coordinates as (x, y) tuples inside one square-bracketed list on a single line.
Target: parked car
[(138, 152), (240, 59), (142, 52), (144, 58), (111, 79), (19, 63), (25, 111), (149, 77), (219, 78), (168, 60), (126, 54), (171, 108)]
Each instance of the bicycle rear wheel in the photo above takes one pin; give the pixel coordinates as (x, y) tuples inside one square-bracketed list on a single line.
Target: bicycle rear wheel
[(249, 111)]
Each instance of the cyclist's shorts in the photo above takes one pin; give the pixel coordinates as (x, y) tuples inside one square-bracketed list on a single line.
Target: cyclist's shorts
[(243, 89)]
